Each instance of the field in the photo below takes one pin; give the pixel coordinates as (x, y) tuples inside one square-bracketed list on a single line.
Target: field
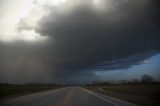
[(143, 95), (7, 90)]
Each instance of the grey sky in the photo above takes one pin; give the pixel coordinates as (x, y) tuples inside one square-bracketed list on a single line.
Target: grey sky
[(68, 40)]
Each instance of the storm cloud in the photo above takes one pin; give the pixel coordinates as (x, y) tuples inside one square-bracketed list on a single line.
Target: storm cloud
[(85, 38)]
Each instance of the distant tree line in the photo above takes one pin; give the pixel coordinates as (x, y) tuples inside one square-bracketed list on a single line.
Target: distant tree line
[(31, 84), (145, 79)]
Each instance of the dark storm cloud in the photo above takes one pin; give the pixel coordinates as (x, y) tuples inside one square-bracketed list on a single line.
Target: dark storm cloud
[(84, 39), (124, 63)]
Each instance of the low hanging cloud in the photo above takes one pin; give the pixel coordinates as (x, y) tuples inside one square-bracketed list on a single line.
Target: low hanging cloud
[(107, 35), (84, 36)]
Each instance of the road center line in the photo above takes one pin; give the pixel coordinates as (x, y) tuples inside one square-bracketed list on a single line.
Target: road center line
[(99, 97), (64, 102)]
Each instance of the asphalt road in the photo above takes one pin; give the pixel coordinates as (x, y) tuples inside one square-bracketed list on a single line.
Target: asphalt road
[(69, 96)]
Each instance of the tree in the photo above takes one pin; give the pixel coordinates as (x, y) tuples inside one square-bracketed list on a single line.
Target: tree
[(135, 81), (146, 78), (123, 82)]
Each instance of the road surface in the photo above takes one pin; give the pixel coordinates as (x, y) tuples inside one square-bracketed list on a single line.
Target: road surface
[(69, 96)]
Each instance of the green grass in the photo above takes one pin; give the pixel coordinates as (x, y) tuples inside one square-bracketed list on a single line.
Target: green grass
[(7, 90), (143, 95)]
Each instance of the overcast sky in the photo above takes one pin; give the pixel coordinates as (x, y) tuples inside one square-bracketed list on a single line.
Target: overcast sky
[(78, 41)]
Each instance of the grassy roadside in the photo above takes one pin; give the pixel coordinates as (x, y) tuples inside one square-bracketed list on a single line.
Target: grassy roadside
[(143, 95), (7, 90)]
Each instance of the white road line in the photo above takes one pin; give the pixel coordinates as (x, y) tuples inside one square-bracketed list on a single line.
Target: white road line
[(100, 97)]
